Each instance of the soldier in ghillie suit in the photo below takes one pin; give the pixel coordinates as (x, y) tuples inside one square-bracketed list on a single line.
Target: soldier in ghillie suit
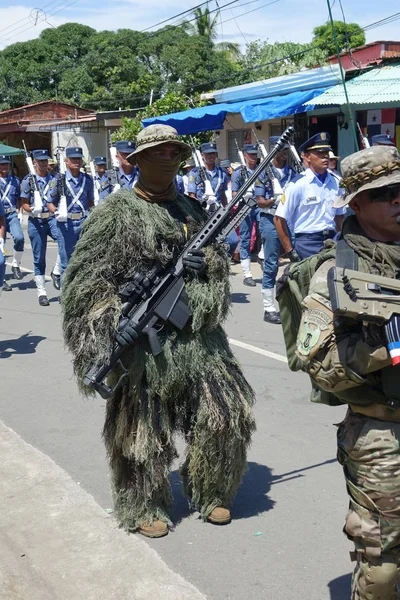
[(356, 361), (195, 386)]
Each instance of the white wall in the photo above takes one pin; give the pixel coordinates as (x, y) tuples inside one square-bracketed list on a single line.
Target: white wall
[(235, 122), (92, 143)]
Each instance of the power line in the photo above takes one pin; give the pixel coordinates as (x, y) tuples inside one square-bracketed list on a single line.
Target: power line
[(381, 22)]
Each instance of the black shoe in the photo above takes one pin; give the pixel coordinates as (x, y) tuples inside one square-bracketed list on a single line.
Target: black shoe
[(44, 301), (56, 280), (272, 317), (16, 271), (6, 287), (249, 281)]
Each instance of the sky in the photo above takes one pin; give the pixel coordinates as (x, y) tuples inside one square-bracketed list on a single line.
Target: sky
[(272, 20)]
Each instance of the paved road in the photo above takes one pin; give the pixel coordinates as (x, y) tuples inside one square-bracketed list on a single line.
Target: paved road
[(285, 540)]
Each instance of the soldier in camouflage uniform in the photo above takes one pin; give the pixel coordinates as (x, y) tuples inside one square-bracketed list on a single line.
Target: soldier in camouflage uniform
[(350, 360)]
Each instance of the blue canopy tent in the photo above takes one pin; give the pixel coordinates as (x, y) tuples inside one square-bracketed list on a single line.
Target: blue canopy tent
[(212, 117)]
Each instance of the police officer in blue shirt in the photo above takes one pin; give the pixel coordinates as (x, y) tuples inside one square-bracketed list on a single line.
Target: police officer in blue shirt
[(307, 206), (269, 188), (41, 223), (217, 177), (2, 238), (180, 188), (9, 193), (102, 180), (128, 174), (239, 177), (78, 190)]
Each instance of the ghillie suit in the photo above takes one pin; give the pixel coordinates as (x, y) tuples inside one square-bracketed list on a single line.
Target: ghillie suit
[(194, 387)]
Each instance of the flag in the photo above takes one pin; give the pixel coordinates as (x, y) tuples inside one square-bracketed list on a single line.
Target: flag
[(392, 328), (382, 121)]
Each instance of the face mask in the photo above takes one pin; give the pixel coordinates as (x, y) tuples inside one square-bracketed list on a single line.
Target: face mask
[(156, 177)]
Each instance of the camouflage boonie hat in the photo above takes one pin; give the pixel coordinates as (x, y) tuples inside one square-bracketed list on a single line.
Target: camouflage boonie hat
[(155, 135), (366, 170)]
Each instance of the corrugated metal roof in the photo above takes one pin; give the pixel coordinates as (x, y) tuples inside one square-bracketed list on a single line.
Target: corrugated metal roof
[(374, 87), (310, 79)]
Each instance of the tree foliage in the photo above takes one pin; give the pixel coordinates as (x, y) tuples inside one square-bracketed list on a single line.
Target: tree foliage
[(348, 35), (170, 103), (108, 70)]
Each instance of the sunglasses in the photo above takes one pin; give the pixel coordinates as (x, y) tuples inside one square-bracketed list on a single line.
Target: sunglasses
[(387, 193)]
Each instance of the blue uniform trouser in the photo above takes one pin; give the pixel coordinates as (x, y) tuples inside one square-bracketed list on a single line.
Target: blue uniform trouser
[(68, 235), (2, 269), (272, 248), (232, 241), (245, 229), (307, 244), (38, 230), (13, 226)]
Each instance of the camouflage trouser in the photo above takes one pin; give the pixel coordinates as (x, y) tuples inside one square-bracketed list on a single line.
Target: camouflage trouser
[(369, 451)]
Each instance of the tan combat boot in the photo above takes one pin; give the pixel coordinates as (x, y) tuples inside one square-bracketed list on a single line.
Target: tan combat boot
[(219, 516), (155, 530)]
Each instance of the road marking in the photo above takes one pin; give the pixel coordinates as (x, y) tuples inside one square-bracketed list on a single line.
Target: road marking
[(257, 350)]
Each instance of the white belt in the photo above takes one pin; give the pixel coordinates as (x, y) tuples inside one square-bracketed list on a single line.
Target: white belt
[(75, 216), (43, 215), (268, 211), (7, 211)]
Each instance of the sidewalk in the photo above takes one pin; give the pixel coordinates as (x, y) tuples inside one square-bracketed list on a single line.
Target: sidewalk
[(56, 543)]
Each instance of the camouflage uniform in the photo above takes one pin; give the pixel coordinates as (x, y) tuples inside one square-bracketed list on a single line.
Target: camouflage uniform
[(350, 360)]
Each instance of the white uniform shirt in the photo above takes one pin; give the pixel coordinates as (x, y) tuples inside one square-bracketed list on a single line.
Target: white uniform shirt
[(307, 205)]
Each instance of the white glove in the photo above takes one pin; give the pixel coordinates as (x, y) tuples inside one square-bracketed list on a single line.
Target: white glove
[(60, 218), (2, 245), (211, 200), (249, 194), (20, 217), (35, 212)]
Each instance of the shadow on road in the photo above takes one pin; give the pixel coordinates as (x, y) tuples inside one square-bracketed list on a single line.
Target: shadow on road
[(240, 298), (296, 474), (250, 500), (340, 587), (22, 285), (26, 344)]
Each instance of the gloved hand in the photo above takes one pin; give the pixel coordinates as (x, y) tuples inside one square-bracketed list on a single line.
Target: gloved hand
[(292, 256), (20, 217), (2, 245), (127, 335), (249, 194), (211, 202), (60, 218), (35, 212), (195, 262)]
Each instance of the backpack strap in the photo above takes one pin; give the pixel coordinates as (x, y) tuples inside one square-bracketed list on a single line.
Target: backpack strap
[(346, 257)]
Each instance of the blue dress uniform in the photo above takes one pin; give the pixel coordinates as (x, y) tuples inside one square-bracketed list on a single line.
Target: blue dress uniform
[(218, 178), (269, 235), (307, 205), (103, 184), (239, 177), (10, 190), (180, 188), (2, 259), (39, 226), (80, 196), (127, 180)]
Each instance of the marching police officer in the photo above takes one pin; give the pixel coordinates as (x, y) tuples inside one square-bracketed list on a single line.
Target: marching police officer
[(381, 139), (40, 223), (217, 177), (239, 176), (128, 174), (269, 189), (78, 190), (306, 209), (102, 181), (187, 168), (2, 238), (9, 193)]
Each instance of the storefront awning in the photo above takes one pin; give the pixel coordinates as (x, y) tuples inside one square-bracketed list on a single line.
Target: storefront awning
[(212, 117)]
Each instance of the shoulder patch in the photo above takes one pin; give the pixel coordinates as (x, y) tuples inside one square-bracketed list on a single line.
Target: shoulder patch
[(52, 184), (191, 178)]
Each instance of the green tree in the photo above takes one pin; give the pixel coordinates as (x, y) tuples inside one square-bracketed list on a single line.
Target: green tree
[(348, 35), (206, 26), (170, 103)]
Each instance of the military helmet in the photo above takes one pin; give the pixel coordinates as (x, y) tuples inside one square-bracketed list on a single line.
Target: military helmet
[(368, 169), (155, 135)]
